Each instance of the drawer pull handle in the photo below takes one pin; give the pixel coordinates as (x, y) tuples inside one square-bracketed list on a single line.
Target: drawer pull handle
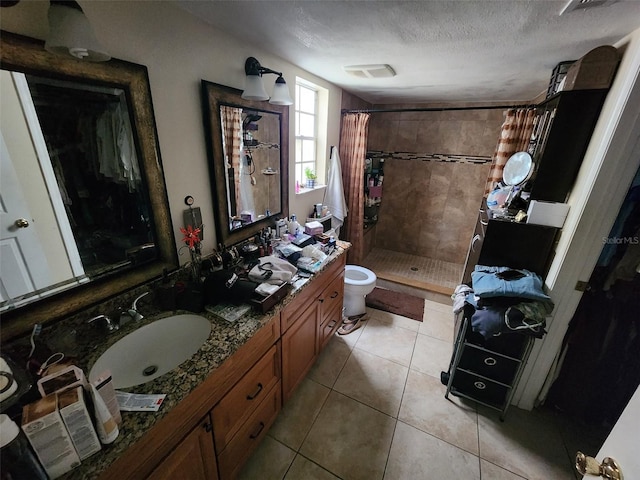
[(208, 427), (255, 435), (476, 238), (484, 223), (334, 294), (490, 361), (251, 397), (332, 324), (479, 385)]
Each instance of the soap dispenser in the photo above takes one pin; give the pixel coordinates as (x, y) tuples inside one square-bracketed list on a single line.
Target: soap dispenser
[(294, 226)]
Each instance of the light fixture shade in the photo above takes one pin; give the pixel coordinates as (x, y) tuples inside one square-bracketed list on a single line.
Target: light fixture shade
[(254, 88), (281, 93), (70, 34)]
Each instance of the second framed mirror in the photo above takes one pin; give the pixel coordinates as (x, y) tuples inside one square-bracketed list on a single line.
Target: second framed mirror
[(248, 149)]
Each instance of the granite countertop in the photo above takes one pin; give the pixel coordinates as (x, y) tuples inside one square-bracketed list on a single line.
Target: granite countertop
[(225, 339)]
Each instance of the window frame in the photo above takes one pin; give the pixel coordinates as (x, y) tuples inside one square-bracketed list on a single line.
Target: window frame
[(300, 160)]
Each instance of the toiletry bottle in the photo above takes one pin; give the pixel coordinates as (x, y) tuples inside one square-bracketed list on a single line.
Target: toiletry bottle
[(17, 457), (104, 386), (294, 226), (106, 426)]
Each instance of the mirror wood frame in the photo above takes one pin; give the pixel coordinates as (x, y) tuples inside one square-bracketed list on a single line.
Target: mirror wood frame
[(27, 55), (213, 97)]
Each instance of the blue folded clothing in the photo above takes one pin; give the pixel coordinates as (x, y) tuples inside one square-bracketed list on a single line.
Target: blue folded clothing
[(507, 282)]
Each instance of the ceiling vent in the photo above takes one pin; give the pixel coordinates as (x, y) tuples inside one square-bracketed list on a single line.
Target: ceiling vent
[(585, 4), (370, 71)]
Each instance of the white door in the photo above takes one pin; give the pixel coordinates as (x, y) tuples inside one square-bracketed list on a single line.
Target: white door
[(623, 443), (23, 267)]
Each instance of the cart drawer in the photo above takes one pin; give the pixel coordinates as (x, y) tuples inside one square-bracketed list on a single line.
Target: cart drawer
[(488, 364), (479, 388)]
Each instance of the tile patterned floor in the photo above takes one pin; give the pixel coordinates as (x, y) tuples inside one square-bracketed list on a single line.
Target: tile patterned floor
[(414, 268), (373, 408)]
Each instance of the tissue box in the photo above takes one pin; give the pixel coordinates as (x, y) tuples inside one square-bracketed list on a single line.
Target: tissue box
[(313, 228), (75, 415), (43, 426), (547, 213)]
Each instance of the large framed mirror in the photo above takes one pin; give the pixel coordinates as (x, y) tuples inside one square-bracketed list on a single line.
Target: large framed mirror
[(248, 149), (86, 214)]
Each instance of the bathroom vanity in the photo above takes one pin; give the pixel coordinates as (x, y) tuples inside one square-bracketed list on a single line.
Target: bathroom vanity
[(221, 402)]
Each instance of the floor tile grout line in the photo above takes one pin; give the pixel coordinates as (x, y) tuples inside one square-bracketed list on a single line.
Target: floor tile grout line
[(316, 463), (393, 435)]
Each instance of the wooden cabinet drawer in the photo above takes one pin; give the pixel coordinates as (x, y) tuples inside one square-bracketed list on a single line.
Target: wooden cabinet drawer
[(479, 388), (241, 401), (488, 364), (332, 297), (329, 327), (250, 434)]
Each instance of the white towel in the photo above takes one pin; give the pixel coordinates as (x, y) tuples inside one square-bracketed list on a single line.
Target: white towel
[(334, 193)]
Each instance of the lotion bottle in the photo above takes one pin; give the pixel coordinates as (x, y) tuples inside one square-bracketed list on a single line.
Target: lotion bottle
[(106, 426)]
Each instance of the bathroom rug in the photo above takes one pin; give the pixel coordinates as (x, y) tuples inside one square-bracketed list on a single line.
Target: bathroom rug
[(396, 302)]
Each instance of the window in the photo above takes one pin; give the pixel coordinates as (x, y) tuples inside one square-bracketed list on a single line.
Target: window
[(306, 108)]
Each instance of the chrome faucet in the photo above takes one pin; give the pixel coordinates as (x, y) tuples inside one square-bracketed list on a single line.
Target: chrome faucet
[(133, 311), (111, 326)]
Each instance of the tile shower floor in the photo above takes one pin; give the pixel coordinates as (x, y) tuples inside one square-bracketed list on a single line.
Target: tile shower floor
[(373, 407), (413, 269)]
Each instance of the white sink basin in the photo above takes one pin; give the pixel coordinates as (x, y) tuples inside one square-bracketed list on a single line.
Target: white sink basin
[(152, 350)]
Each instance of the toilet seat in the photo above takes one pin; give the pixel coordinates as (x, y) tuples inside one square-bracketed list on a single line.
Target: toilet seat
[(360, 275)]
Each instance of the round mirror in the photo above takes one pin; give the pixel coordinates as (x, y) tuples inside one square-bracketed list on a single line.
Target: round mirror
[(518, 169)]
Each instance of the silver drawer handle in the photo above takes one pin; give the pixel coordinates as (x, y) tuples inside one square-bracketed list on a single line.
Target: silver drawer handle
[(490, 361), (479, 385), (484, 223)]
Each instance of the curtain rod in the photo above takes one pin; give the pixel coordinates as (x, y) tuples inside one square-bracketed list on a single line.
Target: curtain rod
[(436, 109)]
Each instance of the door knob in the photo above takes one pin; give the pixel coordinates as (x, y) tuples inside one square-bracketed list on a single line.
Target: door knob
[(21, 223), (609, 468)]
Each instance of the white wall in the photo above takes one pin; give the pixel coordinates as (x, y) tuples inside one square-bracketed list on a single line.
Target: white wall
[(179, 50)]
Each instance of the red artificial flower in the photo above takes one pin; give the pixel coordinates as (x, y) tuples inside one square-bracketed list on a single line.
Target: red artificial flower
[(191, 237)]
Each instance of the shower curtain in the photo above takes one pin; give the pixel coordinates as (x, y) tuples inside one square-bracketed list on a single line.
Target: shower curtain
[(353, 148), (514, 137), (232, 145)]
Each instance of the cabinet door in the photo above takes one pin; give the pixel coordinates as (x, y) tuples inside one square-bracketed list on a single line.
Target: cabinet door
[(193, 458), (299, 349)]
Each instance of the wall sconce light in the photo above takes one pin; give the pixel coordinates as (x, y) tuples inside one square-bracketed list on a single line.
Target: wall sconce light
[(70, 33), (254, 88)]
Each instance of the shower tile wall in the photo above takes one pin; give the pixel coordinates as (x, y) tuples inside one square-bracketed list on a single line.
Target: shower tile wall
[(429, 205)]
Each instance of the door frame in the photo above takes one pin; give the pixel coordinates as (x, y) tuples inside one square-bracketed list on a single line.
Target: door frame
[(609, 165)]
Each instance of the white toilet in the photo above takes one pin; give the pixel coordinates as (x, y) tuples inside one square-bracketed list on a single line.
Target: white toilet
[(358, 282)]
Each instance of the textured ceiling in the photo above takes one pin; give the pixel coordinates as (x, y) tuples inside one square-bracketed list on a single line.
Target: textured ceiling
[(444, 50)]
